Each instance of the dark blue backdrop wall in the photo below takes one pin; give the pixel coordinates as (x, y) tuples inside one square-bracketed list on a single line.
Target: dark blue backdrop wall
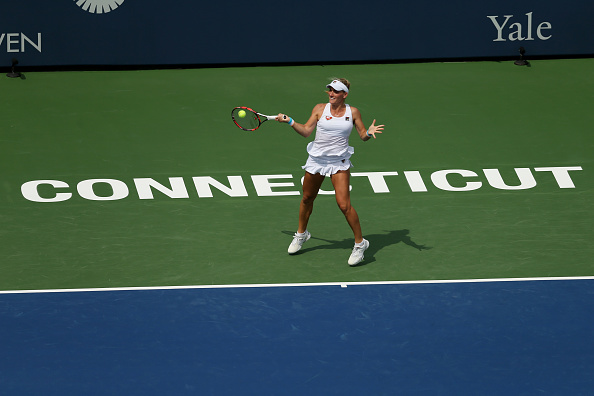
[(163, 32)]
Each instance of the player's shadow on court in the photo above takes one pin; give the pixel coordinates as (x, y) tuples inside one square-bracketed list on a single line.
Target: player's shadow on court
[(376, 243)]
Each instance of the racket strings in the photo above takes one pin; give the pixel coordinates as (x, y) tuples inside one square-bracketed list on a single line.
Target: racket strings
[(249, 122)]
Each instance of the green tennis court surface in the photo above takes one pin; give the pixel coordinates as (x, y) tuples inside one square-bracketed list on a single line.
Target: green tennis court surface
[(104, 138)]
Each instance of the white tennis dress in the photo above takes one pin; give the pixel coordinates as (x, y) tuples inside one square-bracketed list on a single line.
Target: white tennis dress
[(330, 151)]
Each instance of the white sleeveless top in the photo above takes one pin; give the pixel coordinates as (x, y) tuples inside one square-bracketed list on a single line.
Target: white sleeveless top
[(332, 136)]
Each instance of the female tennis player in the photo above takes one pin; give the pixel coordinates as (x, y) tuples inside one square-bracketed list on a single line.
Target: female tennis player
[(329, 155)]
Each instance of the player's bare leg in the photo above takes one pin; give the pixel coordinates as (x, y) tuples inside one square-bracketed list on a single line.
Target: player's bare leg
[(341, 183), (311, 187)]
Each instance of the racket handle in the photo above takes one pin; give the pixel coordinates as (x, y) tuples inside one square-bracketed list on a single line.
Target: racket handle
[(272, 118)]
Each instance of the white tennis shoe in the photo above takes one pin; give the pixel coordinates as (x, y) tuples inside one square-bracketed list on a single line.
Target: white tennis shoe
[(298, 241), (357, 254)]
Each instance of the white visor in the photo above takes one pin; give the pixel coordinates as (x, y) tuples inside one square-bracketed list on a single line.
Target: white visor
[(338, 86)]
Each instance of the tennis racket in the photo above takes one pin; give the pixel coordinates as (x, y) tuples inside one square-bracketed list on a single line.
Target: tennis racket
[(251, 119)]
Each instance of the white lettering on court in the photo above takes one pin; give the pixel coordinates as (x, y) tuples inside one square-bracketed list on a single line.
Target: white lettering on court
[(454, 180)]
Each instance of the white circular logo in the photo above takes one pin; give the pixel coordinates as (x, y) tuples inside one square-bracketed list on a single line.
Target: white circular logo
[(99, 6)]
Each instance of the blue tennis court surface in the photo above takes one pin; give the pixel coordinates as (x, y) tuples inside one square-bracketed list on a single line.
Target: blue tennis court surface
[(475, 338)]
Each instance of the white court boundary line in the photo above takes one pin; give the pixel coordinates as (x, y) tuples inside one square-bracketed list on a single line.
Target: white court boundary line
[(264, 285)]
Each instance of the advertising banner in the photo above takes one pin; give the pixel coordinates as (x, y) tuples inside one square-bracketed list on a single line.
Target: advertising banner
[(189, 32)]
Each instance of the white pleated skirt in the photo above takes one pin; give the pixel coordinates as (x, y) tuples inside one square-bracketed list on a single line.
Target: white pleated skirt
[(326, 167)]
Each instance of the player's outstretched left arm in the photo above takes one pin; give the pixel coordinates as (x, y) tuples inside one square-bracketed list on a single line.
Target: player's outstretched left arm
[(365, 133)]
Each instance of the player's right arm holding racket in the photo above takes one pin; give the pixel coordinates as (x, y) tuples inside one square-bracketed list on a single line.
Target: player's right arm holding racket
[(304, 129)]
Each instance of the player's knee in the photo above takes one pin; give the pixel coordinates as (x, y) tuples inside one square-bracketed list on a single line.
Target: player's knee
[(344, 206), (308, 199)]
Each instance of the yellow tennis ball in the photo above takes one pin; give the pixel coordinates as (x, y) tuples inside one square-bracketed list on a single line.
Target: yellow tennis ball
[(241, 113)]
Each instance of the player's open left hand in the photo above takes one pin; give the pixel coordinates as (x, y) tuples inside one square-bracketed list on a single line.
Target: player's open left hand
[(373, 129)]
